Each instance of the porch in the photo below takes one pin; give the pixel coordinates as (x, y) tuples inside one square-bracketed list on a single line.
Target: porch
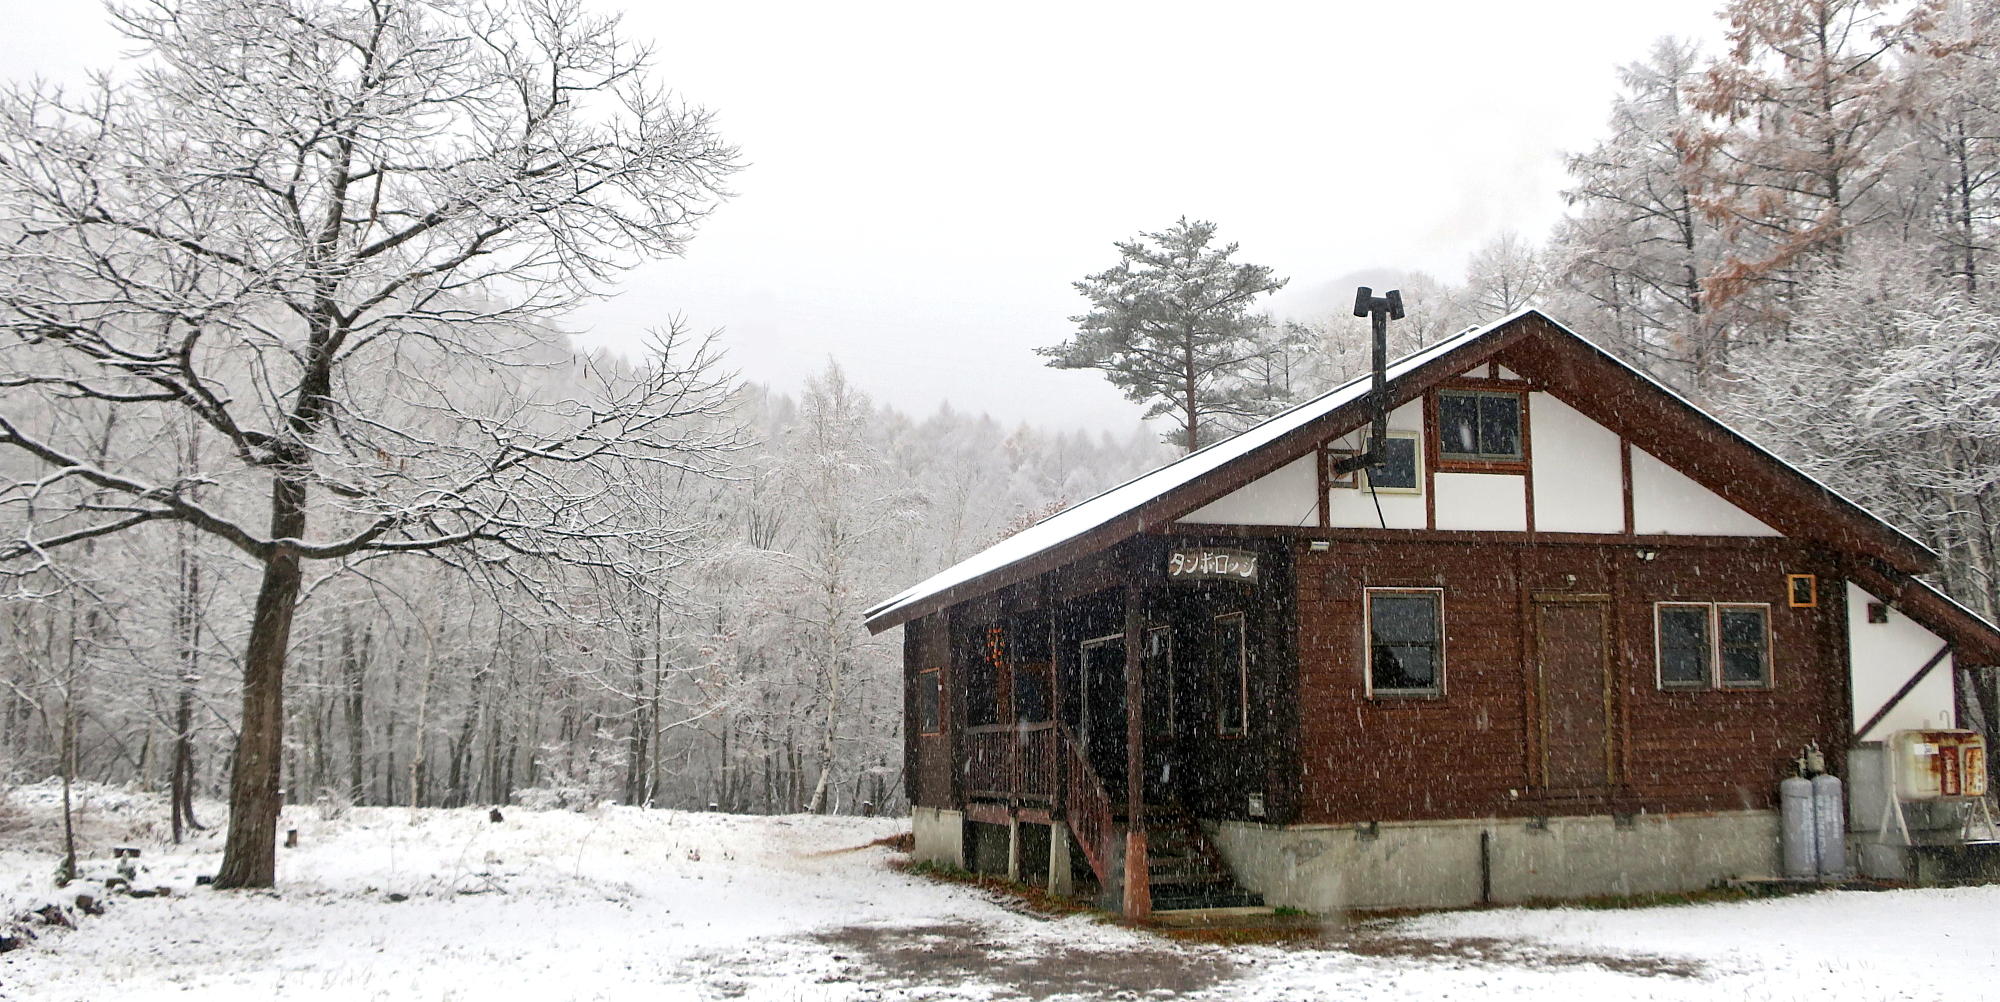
[(1066, 688)]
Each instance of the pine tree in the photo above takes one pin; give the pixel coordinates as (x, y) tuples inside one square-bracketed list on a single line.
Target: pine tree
[(1171, 325)]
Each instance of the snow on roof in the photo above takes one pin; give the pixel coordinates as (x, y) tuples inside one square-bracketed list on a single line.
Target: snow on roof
[(1079, 519)]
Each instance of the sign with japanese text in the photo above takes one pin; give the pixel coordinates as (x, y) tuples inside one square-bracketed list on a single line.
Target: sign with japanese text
[(1205, 564)]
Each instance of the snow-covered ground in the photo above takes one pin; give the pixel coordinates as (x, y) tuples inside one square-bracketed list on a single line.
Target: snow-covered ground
[(622, 903)]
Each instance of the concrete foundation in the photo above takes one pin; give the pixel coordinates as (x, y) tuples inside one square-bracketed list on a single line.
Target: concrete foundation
[(1449, 864), (940, 836), (1019, 850)]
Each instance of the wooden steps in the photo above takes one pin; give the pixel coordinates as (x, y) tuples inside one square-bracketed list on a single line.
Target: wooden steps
[(1184, 870)]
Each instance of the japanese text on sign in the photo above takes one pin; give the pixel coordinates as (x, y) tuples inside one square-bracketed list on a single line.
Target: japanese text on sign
[(1230, 565)]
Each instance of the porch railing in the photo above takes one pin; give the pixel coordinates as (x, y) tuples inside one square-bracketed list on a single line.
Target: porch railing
[(1011, 762)]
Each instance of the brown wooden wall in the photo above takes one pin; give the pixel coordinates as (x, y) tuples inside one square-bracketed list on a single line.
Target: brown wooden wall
[(927, 757), (1476, 751)]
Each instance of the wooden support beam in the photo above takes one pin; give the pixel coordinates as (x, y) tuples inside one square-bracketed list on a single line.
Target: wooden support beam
[(1138, 883), (1861, 732)]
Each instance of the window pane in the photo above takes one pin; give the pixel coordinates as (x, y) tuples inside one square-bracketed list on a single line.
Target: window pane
[(1157, 653), (1398, 468), (1403, 641), (1743, 646), (1684, 646), (1742, 627), (1229, 676), (1402, 619), (1500, 426), (930, 699), (1405, 666), (1458, 424)]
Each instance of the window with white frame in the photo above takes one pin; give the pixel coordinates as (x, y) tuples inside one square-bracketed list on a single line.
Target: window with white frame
[(1405, 641), (1713, 645), (1479, 425), (1401, 470)]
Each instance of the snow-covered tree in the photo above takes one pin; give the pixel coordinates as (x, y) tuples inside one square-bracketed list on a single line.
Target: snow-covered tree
[(1636, 247), (1171, 325), (1503, 275), (1803, 102), (325, 231)]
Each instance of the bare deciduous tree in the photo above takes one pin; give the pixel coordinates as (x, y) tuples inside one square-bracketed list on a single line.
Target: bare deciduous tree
[(325, 230)]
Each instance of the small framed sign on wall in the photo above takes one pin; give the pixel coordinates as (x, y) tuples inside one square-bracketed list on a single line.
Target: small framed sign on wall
[(1802, 590), (1202, 563)]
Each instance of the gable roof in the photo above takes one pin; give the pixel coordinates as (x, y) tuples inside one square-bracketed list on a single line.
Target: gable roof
[(1687, 438)]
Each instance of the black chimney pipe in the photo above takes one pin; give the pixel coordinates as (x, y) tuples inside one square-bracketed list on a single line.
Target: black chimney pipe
[(1379, 310)]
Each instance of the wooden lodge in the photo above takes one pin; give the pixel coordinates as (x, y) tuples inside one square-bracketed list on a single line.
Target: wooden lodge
[(1565, 641)]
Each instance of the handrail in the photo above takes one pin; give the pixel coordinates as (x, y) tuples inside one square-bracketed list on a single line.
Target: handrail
[(1086, 806), (1010, 728)]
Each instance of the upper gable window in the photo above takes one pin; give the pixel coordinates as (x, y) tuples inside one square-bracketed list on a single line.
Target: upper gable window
[(1400, 471), (1479, 425)]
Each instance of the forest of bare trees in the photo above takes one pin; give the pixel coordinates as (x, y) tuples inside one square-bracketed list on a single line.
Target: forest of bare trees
[(743, 681), (556, 577)]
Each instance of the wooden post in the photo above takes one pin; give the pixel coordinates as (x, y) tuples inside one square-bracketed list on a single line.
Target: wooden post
[(1138, 884), (1059, 803), (1013, 847), (1016, 777)]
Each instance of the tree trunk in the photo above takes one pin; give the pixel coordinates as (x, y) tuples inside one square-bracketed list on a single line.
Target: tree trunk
[(636, 750), (183, 770), (249, 858), (66, 872), (187, 625), (461, 784), (1190, 392), (354, 675)]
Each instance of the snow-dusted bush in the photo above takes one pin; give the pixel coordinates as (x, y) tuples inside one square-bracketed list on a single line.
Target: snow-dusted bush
[(332, 804), (555, 798)]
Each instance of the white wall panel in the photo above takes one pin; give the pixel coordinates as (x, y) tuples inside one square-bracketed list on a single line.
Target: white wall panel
[(1883, 656), (1667, 502), (1579, 477), (1351, 508), (1493, 501), (1284, 496), (1355, 509)]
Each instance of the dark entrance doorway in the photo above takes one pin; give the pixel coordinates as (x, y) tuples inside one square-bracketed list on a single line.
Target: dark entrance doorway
[(1573, 677), (1102, 728)]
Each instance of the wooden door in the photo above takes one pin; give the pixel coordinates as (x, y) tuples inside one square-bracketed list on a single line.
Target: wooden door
[(1573, 672)]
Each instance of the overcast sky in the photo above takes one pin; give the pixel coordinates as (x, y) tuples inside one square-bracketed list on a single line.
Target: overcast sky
[(927, 179)]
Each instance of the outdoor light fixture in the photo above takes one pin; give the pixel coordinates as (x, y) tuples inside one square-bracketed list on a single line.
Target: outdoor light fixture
[(1648, 553), (1320, 545)]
